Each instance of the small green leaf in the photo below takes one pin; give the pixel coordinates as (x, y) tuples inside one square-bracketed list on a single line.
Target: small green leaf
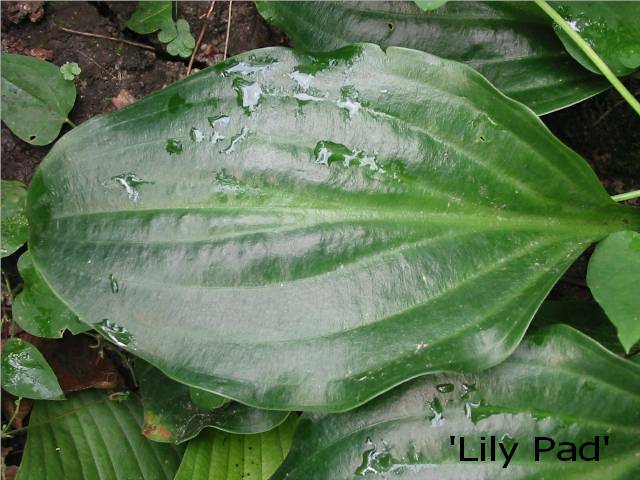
[(36, 99), (171, 414), (26, 373), (206, 400), (168, 31), (612, 29), (37, 309), (183, 43), (150, 16), (613, 277), (216, 455), (558, 384), (90, 437), (15, 228), (70, 70), (426, 5)]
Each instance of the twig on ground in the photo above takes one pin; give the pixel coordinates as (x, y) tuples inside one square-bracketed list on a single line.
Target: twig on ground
[(201, 36), (91, 59), (106, 37), (226, 40)]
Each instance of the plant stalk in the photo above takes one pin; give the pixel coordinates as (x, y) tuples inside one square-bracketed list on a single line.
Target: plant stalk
[(626, 196), (590, 53)]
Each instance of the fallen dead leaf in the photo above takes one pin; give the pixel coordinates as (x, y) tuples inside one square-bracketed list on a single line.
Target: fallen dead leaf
[(123, 99), (41, 53)]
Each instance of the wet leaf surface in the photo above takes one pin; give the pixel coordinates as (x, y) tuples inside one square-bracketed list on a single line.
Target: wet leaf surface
[(348, 222), (510, 43), (15, 228), (26, 373), (612, 29), (558, 384)]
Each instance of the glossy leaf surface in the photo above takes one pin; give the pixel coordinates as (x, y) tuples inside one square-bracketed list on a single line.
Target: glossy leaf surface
[(89, 437), (612, 29), (614, 279), (555, 385), (36, 308), (216, 455), (15, 228), (388, 215), (510, 43), (26, 373), (36, 99), (172, 415), (148, 17)]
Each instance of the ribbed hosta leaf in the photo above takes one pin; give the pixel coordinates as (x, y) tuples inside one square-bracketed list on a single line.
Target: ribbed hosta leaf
[(171, 414), (36, 308), (368, 217), (89, 437), (510, 43), (558, 384), (216, 455)]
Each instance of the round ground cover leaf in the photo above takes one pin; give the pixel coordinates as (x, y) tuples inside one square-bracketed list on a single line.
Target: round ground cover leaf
[(37, 309), (36, 99), (15, 228), (89, 437), (558, 384), (217, 455), (297, 240), (613, 275), (510, 43), (26, 373), (172, 415), (612, 29)]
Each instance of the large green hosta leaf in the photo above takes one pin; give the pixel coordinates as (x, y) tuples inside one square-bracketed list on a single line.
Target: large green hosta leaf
[(389, 215), (89, 437), (510, 43), (558, 384)]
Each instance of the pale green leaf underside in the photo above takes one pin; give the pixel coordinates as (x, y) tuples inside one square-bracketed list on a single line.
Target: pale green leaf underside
[(614, 279), (37, 309), (36, 99), (15, 228), (558, 384), (269, 270), (510, 43), (89, 437), (216, 455)]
